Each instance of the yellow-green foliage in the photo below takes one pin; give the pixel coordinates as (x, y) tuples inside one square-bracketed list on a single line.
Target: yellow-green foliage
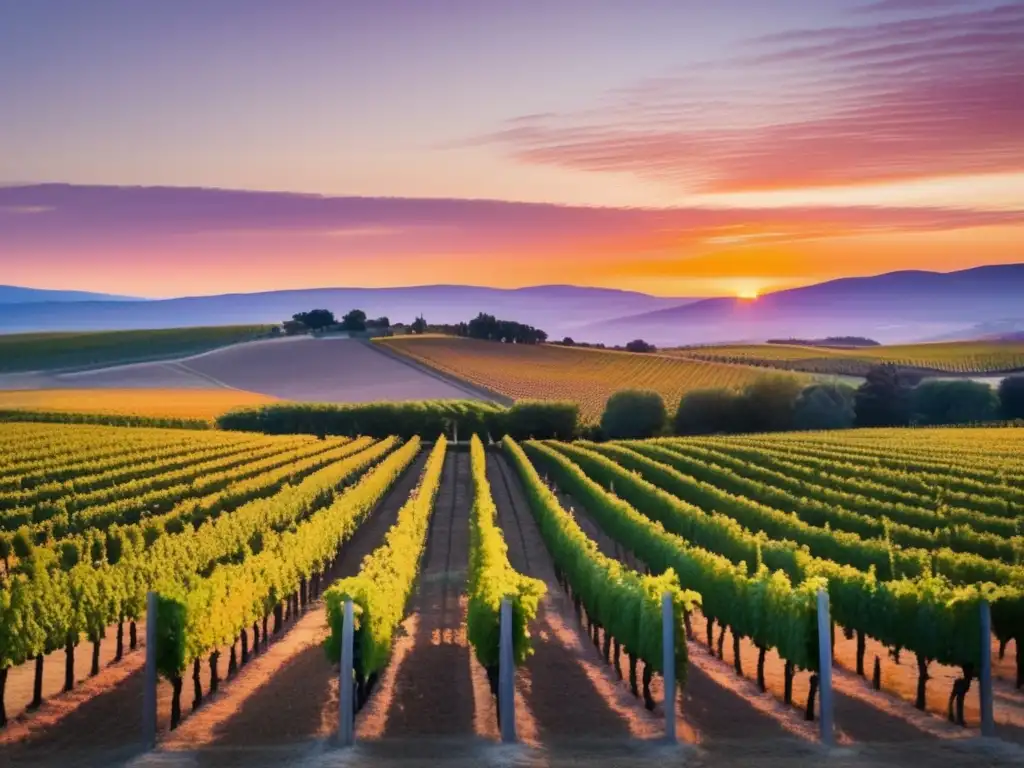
[(654, 531), (492, 578), (951, 357), (626, 603), (86, 583), (219, 606), (387, 577), (708, 526)]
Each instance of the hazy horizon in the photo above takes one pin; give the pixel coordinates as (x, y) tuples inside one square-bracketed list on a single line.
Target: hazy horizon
[(415, 286)]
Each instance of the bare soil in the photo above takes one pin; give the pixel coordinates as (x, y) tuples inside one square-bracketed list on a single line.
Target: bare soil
[(305, 369), (322, 370), (432, 691), (56, 703), (750, 753), (563, 684)]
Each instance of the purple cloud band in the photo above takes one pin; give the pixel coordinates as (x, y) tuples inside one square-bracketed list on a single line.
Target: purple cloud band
[(62, 211), (893, 98)]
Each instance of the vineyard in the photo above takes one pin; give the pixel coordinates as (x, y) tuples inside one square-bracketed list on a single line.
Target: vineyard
[(250, 546), (585, 376), (974, 357), (205, 404)]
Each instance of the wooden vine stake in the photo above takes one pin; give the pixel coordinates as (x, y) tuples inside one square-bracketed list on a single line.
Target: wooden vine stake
[(149, 691), (825, 670), (668, 642), (988, 726), (506, 676), (346, 715)]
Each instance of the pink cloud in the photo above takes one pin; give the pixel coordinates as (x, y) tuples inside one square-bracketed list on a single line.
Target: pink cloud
[(940, 95)]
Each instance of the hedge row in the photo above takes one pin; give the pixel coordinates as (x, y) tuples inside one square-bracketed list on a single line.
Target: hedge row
[(108, 419), (423, 418)]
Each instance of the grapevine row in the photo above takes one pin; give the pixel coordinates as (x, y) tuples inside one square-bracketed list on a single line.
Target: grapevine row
[(200, 614), (625, 603), (971, 494), (685, 500), (768, 608), (31, 447), (492, 579), (88, 461), (46, 607), (850, 492), (891, 611), (386, 579), (799, 497), (98, 489), (259, 480)]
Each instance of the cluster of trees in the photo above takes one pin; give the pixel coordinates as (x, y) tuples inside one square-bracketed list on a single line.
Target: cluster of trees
[(323, 319), (776, 403), (489, 328), (637, 345), (888, 397), (486, 328)]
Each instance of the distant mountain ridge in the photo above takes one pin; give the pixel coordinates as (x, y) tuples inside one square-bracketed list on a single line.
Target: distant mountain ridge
[(907, 306), (894, 307), (13, 294), (558, 309)]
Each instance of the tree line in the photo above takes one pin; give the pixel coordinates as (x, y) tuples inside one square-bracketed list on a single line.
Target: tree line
[(323, 319), (778, 403), (484, 326)]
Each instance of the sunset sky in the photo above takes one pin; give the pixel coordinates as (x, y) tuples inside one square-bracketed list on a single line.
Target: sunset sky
[(676, 147)]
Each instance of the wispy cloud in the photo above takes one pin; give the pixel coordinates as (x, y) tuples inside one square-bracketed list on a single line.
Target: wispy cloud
[(911, 6), (24, 209), (884, 99)]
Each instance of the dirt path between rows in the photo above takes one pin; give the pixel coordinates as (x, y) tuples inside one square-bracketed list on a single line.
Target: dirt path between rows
[(569, 692), (715, 704), (429, 689)]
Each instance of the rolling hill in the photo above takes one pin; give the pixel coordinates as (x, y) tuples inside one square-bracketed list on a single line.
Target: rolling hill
[(13, 294), (892, 308)]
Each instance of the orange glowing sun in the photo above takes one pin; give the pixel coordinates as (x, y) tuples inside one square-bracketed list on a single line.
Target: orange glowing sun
[(750, 294)]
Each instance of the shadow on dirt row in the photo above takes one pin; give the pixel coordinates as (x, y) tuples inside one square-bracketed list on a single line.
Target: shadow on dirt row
[(561, 696), (433, 693)]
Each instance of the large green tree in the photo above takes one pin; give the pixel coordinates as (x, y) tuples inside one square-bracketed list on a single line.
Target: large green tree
[(768, 403), (633, 413), (315, 319), (824, 406), (1011, 397), (954, 402), (354, 320), (708, 412), (884, 399)]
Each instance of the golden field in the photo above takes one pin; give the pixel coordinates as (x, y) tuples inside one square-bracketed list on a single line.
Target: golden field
[(553, 372), (166, 403), (948, 357)]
